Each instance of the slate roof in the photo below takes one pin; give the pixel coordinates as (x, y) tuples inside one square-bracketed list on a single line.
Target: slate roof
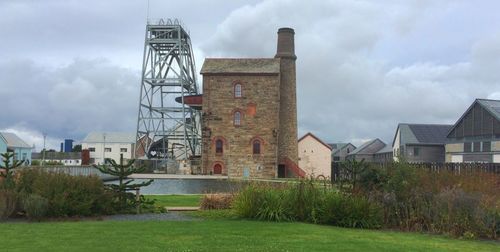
[(366, 146), (386, 149), (493, 106), (422, 133), (111, 137), (13, 141), (241, 66), (337, 147)]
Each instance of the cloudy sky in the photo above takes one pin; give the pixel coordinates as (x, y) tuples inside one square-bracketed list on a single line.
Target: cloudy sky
[(71, 67)]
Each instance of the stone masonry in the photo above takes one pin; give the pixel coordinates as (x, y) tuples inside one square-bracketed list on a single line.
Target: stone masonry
[(268, 113)]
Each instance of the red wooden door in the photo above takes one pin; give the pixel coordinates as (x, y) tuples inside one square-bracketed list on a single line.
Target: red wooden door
[(217, 169)]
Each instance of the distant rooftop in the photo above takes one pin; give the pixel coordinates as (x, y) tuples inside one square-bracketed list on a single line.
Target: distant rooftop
[(242, 66), (13, 141), (493, 106), (423, 133), (111, 137)]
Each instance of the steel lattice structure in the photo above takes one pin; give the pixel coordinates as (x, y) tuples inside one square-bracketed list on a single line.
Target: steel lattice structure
[(166, 129)]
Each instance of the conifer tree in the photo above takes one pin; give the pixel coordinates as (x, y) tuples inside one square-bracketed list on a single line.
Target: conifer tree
[(124, 187), (8, 173)]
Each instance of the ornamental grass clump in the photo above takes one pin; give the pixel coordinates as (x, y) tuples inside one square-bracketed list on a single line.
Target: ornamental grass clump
[(35, 206), (216, 201)]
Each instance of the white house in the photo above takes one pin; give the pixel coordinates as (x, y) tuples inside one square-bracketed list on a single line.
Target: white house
[(315, 156), (103, 145)]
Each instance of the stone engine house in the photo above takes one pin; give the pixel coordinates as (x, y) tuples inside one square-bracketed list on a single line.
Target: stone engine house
[(249, 111)]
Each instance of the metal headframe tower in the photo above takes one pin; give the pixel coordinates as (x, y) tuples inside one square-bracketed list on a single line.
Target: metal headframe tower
[(167, 129)]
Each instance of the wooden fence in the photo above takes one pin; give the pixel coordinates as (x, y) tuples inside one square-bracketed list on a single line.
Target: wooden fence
[(458, 168), (76, 171)]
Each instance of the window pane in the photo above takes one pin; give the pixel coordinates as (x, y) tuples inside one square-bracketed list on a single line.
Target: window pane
[(218, 146), (486, 146), (477, 147), (237, 90), (467, 147), (237, 118), (416, 151), (256, 147)]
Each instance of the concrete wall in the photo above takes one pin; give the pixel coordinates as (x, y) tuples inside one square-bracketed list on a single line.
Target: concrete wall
[(314, 157), (259, 107), (97, 155)]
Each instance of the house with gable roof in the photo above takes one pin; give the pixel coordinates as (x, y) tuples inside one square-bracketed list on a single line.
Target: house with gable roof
[(314, 156), (420, 143), (475, 137), (10, 142)]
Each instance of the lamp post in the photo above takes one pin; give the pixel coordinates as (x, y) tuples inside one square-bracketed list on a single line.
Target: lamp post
[(104, 148), (43, 154)]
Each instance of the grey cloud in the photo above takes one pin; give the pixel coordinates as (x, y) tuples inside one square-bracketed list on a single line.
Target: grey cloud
[(69, 101), (345, 94)]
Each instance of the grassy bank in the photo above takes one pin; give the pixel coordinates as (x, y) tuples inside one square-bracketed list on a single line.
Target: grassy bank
[(220, 235), (187, 200)]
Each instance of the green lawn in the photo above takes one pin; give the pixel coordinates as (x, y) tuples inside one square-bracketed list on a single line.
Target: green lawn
[(217, 235), (189, 200)]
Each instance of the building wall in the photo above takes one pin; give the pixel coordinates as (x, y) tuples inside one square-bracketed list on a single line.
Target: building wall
[(23, 154), (314, 157), (259, 106), (426, 153), (396, 145), (3, 148), (495, 146), (343, 153), (97, 155)]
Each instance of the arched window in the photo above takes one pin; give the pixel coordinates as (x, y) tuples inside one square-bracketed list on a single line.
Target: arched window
[(219, 146), (237, 118), (237, 90), (256, 146)]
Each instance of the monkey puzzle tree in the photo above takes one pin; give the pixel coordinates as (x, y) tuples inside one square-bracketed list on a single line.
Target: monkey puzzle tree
[(8, 173), (123, 189)]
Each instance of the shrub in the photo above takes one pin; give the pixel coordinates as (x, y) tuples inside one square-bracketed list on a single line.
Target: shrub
[(247, 202), (67, 195), (305, 200), (216, 201), (351, 211), (35, 206), (273, 207), (8, 203), (308, 202)]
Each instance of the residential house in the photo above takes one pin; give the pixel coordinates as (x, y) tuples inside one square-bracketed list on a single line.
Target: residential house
[(366, 151), (475, 137), (21, 150), (3, 147), (341, 150), (314, 156), (420, 143), (104, 145), (384, 155)]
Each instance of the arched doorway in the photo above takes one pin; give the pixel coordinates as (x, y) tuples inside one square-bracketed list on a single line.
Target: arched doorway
[(217, 169)]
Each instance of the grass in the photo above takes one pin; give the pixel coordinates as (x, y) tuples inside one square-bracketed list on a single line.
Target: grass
[(217, 235), (187, 200)]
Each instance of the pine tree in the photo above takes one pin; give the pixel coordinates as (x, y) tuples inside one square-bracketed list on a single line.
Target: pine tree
[(8, 174), (123, 189)]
